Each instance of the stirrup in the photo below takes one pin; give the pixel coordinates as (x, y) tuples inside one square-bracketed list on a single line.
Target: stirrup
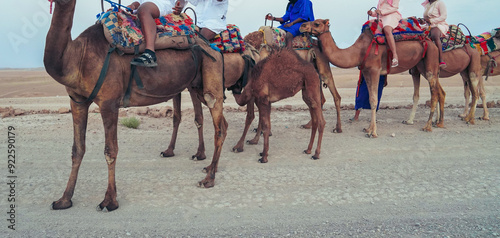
[(146, 60)]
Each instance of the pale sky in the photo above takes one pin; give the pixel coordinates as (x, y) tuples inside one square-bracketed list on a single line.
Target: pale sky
[(25, 23)]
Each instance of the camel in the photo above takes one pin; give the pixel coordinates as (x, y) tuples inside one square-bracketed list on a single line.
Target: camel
[(281, 75), (489, 67), (372, 62), (316, 56), (234, 69), (76, 64), (465, 61)]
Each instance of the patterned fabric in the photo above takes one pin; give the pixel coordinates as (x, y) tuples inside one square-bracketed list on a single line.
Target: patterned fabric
[(273, 36), (123, 28), (302, 42), (230, 40), (455, 39), (487, 42), (408, 29)]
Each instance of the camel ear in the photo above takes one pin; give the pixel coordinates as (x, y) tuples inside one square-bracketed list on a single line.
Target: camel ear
[(326, 21)]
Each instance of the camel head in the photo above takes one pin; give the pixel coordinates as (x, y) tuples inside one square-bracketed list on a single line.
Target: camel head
[(316, 27)]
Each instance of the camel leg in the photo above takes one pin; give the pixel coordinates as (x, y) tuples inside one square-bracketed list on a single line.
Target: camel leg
[(323, 101), (249, 118), (109, 114), (258, 132), (416, 95), (433, 87), (169, 152), (440, 112), (313, 102), (198, 121), (337, 100), (473, 82), (265, 122), (466, 96), (314, 119), (220, 129), (372, 79), (80, 117), (482, 94)]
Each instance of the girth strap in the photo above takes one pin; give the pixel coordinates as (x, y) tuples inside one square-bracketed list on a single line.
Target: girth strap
[(102, 76)]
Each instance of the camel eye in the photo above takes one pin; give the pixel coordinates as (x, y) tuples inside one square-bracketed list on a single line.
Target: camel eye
[(316, 24)]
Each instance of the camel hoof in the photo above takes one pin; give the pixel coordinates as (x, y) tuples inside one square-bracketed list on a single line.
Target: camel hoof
[(315, 158), (206, 183), (483, 118), (426, 129), (262, 160), (408, 122), (462, 116), (254, 130), (237, 149), (305, 127), (371, 135), (198, 157), (337, 130), (107, 208), (251, 142), (166, 154), (307, 152), (204, 170), (58, 205)]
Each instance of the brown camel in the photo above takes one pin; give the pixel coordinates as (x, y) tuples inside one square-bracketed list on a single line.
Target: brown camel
[(281, 75), (372, 62), (317, 57), (489, 67), (77, 65), (234, 69), (464, 61)]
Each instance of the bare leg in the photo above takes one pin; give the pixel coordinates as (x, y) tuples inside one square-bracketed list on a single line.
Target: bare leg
[(146, 13), (392, 45), (435, 36)]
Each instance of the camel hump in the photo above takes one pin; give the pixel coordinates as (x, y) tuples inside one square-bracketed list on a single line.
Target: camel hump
[(123, 30), (408, 29)]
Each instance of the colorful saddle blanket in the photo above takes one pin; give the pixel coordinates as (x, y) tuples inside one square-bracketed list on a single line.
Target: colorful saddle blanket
[(276, 37), (487, 42), (122, 29), (229, 41), (408, 29), (455, 39)]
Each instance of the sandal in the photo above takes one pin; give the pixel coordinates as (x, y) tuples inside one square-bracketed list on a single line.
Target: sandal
[(147, 59), (442, 65), (394, 63)]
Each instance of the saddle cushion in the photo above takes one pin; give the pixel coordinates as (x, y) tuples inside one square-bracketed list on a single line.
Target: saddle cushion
[(276, 37), (487, 42), (408, 29), (122, 29), (229, 41), (455, 39)]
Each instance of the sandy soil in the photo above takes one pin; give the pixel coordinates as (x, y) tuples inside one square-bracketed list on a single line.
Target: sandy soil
[(406, 183)]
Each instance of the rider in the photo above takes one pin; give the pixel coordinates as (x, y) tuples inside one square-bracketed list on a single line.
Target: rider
[(212, 17), (297, 11), (435, 16), (388, 12)]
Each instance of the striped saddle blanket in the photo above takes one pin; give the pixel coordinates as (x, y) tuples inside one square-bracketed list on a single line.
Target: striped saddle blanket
[(487, 42), (408, 29), (229, 41), (123, 30)]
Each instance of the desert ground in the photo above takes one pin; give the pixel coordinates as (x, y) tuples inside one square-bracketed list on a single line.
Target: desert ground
[(406, 183)]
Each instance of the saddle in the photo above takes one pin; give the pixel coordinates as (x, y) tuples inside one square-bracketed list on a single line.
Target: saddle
[(275, 37), (487, 41), (455, 39), (229, 40), (122, 29), (408, 29)]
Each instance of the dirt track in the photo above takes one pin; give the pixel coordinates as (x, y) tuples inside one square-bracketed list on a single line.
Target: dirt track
[(415, 184)]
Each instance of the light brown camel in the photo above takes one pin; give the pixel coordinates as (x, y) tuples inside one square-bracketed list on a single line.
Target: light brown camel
[(281, 75), (234, 68), (489, 67), (317, 57), (372, 62), (77, 64), (465, 61)]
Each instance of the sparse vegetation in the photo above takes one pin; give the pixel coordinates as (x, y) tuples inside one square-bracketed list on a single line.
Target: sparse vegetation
[(130, 122)]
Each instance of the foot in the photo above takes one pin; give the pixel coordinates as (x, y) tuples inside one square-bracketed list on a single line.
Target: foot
[(394, 63), (442, 65), (147, 59)]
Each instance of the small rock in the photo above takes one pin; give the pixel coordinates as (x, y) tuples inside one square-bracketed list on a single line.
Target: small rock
[(288, 107), (393, 134), (63, 110), (490, 104), (18, 112)]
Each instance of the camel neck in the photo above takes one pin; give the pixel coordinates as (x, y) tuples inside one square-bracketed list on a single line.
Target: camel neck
[(59, 38), (343, 58)]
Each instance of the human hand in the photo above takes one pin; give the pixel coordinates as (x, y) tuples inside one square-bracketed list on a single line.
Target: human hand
[(269, 17), (288, 25), (177, 9)]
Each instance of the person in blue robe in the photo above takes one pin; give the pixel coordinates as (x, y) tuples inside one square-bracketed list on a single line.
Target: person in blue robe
[(297, 12), (362, 95)]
